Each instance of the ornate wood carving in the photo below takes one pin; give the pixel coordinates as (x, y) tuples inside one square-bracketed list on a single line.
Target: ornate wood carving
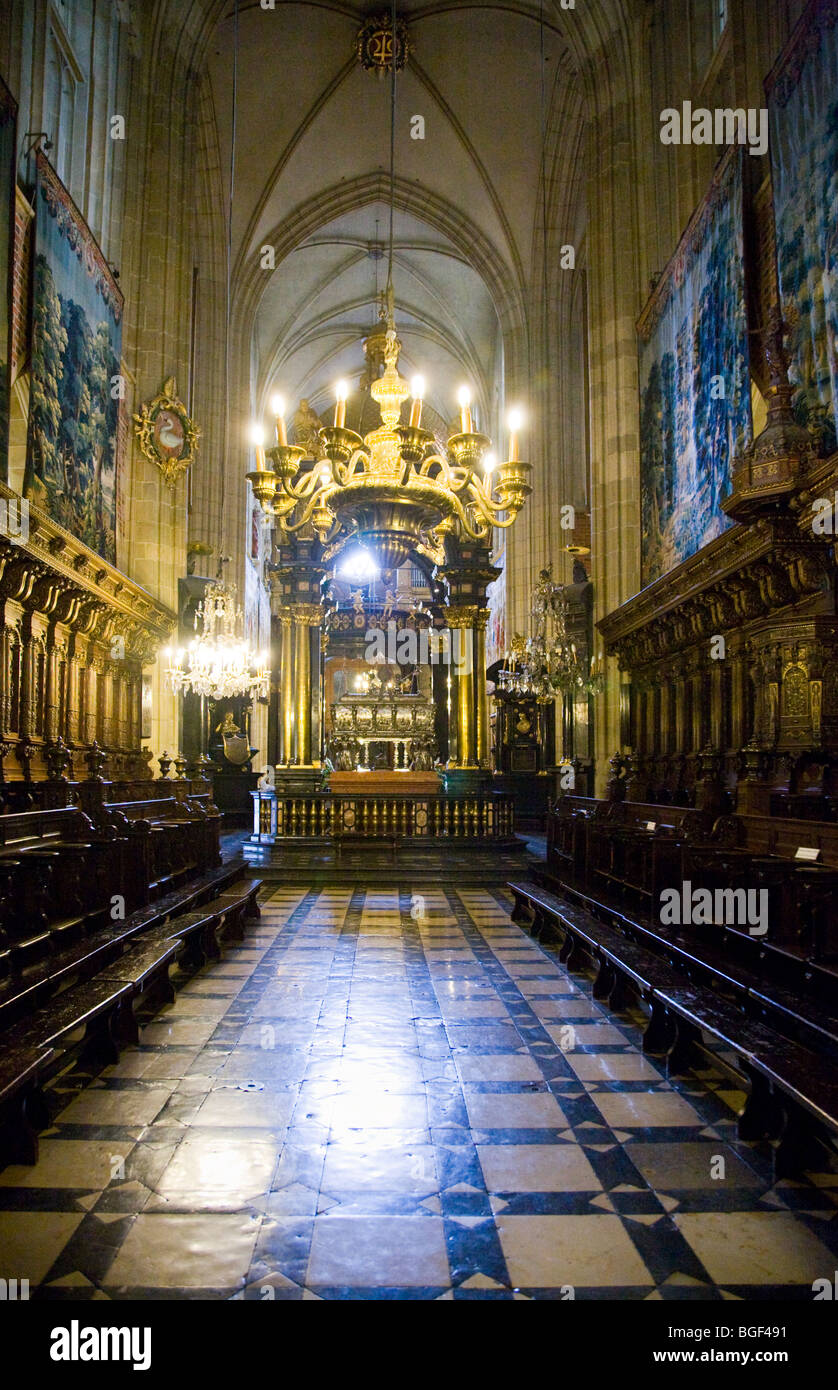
[(76, 635)]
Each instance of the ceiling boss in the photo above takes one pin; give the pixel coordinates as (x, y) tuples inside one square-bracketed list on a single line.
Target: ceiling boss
[(378, 39)]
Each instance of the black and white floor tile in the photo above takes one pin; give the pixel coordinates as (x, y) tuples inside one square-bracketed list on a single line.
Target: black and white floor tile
[(399, 1095)]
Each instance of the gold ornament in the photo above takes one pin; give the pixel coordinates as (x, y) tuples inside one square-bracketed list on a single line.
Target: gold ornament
[(165, 433)]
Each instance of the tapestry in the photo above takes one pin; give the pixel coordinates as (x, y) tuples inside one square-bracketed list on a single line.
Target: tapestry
[(71, 460), (8, 141), (803, 104), (695, 398)]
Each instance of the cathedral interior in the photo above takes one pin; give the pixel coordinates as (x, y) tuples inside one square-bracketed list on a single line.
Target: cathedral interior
[(419, 671)]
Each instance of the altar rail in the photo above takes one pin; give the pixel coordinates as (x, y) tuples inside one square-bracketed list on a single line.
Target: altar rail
[(331, 817)]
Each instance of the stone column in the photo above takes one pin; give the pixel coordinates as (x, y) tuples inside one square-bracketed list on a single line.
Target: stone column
[(484, 758), (468, 572), (297, 609)]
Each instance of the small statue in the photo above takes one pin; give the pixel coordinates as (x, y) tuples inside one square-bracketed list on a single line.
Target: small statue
[(305, 429), (423, 758), (389, 604), (776, 355), (357, 596)]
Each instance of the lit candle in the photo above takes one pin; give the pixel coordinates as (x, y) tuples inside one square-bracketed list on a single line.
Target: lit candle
[(464, 397), (515, 419), (341, 392), (417, 389), (257, 439), (278, 408)]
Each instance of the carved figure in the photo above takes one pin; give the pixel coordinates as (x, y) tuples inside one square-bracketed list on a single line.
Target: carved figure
[(305, 428)]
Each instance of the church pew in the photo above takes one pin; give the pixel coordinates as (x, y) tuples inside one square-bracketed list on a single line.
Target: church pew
[(23, 1108), (127, 967), (790, 1086), (236, 907), (145, 967), (796, 999), (176, 837), (626, 862), (196, 936)]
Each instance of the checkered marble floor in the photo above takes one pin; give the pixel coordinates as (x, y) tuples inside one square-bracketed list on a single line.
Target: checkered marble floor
[(399, 1095)]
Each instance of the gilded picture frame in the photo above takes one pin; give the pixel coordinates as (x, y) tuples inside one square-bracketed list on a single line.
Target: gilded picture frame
[(166, 434)]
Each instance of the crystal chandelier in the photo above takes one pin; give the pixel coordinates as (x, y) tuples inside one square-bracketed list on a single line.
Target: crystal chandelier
[(219, 663), (390, 491), (548, 663)]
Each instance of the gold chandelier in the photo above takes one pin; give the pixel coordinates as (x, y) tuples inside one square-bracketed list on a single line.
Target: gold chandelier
[(390, 491)]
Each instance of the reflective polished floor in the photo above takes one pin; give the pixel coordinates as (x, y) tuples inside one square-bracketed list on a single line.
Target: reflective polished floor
[(398, 1094)]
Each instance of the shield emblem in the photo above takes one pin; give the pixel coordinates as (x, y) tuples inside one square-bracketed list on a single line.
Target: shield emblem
[(236, 749)]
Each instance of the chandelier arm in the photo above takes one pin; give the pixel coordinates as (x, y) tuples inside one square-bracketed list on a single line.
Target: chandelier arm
[(320, 495), (462, 478), (491, 510), (304, 488), (435, 458), (344, 473), (474, 535)]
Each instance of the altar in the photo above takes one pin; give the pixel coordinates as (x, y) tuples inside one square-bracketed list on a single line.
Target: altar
[(382, 732)]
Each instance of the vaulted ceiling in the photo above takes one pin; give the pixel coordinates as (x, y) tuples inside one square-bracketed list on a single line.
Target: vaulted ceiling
[(312, 133)]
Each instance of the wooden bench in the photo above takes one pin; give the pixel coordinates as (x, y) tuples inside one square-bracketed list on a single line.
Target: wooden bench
[(23, 1108), (83, 996), (786, 1082), (97, 1006), (623, 968), (196, 936), (794, 998), (689, 846), (146, 968), (175, 836), (236, 907)]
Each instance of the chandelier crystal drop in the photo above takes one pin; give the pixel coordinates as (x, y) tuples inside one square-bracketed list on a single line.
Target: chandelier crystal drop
[(218, 662)]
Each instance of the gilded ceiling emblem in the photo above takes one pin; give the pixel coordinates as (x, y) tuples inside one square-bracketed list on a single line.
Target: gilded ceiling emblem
[(165, 433), (375, 44)]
